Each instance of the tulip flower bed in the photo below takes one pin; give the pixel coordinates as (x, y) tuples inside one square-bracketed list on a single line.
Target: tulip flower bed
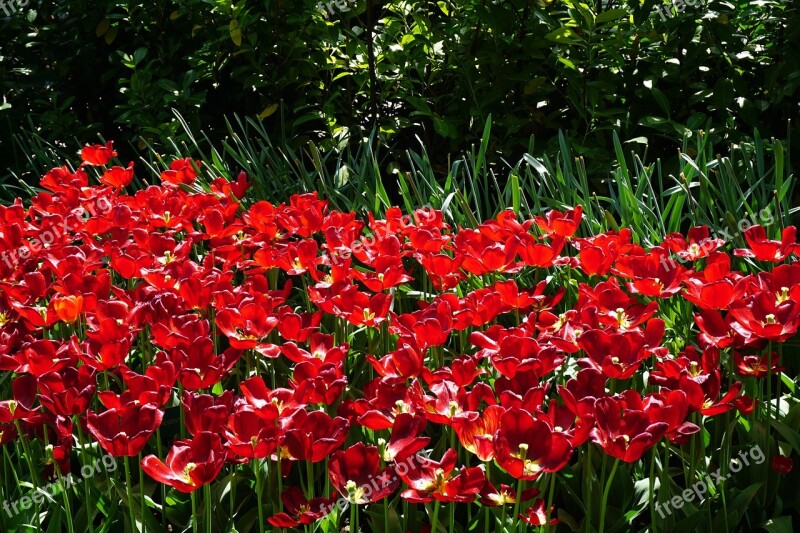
[(257, 367)]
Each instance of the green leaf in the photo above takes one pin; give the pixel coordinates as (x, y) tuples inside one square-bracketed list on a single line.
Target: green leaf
[(791, 436), (139, 55), (610, 15), (443, 128), (781, 524), (564, 35), (662, 101), (102, 27), (269, 110), (236, 32)]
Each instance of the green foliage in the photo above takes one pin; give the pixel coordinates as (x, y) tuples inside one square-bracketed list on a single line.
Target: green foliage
[(433, 70)]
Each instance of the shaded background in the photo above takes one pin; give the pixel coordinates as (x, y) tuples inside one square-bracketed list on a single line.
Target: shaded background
[(414, 73)]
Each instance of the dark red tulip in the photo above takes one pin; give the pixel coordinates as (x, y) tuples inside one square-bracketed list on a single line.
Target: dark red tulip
[(357, 475), (124, 432)]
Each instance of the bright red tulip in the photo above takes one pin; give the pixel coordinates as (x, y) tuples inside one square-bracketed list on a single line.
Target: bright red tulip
[(190, 464)]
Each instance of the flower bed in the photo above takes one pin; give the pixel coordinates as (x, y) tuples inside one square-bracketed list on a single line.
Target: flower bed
[(293, 366)]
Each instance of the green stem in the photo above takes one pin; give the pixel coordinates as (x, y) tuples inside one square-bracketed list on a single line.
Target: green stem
[(386, 513), (232, 495), (587, 492), (518, 500), (194, 511), (162, 485), (651, 497), (549, 500), (182, 415), (605, 496), (259, 489), (128, 492), (280, 481), (310, 480), (769, 386), (141, 487), (89, 507), (435, 521), (29, 460), (65, 496), (207, 497)]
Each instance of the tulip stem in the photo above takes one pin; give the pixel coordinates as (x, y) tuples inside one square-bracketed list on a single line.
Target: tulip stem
[(182, 414), (259, 489), (310, 480), (141, 487), (515, 519), (194, 511), (549, 501), (162, 485), (89, 507), (386, 513), (435, 521), (29, 460), (587, 486), (769, 386), (232, 494), (280, 481), (605, 496), (207, 497), (65, 494), (652, 496), (128, 492)]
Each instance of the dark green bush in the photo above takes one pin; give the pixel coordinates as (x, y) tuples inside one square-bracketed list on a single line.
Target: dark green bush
[(435, 70)]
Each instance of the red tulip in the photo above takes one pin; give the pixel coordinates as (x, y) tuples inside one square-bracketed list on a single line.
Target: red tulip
[(190, 464), (697, 245), (181, 172), (124, 432), (300, 510), (405, 438), (206, 413), (526, 447), (762, 316), (248, 435), (782, 464), (430, 480), (118, 177), (562, 224), (752, 365), (313, 436), (537, 515), (21, 407), (357, 475), (652, 274), (477, 435), (270, 405), (69, 391), (98, 155), (624, 433), (763, 249), (494, 497), (154, 387)]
